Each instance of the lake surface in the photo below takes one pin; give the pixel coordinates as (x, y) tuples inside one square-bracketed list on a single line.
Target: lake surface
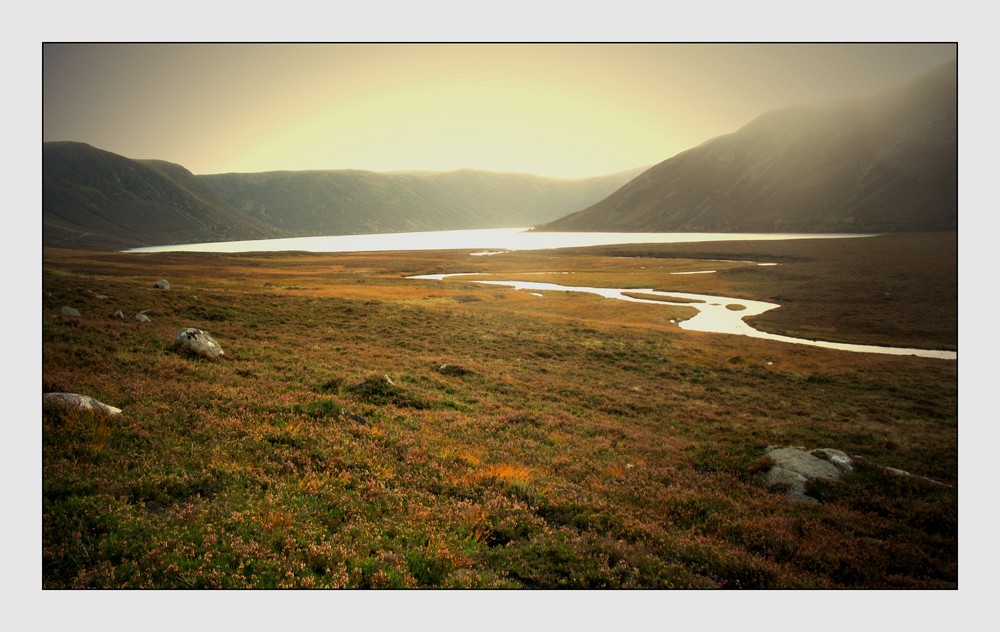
[(490, 241), (716, 314)]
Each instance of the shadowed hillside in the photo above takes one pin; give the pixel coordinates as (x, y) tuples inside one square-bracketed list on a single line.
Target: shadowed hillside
[(93, 198), (96, 199), (358, 202), (888, 162)]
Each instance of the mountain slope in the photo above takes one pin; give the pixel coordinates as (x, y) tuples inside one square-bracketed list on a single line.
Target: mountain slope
[(358, 202), (93, 198), (883, 163)]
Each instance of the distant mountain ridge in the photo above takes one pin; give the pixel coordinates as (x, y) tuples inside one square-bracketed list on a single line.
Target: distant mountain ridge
[(887, 162), (359, 202), (92, 198)]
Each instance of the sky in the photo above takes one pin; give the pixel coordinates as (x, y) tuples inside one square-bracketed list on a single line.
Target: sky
[(561, 110)]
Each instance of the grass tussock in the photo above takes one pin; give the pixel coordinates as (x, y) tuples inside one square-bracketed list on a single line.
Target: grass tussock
[(574, 443)]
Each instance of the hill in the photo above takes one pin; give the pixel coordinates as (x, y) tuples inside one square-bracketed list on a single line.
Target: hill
[(97, 199), (886, 162), (348, 202), (93, 198)]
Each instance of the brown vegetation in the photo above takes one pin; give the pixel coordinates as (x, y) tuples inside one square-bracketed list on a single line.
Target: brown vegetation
[(575, 442)]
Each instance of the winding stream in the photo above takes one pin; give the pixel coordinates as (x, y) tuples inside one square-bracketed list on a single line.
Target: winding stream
[(716, 314)]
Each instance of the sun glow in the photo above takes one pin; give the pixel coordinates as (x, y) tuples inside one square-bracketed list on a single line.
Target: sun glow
[(560, 110)]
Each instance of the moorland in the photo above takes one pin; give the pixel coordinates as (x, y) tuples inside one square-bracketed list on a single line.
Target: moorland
[(368, 430)]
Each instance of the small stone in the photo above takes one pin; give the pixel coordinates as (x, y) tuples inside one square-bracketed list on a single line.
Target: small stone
[(69, 311), (118, 314), (162, 284), (142, 318)]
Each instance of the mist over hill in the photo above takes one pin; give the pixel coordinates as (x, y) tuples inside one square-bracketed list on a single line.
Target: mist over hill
[(887, 162), (882, 163), (349, 202)]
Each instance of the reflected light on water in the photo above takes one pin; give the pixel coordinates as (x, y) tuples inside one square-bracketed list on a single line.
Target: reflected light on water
[(716, 314), (491, 241)]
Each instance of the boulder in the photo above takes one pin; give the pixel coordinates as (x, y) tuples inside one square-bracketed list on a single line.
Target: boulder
[(142, 318), (162, 284), (198, 342), (793, 467), (81, 401), (69, 311)]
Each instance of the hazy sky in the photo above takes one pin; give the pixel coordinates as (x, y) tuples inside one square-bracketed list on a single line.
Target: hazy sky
[(553, 109)]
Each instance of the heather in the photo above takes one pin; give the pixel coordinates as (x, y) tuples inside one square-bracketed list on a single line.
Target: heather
[(364, 430)]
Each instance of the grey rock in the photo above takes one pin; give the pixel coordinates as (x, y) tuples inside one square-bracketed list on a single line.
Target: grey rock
[(118, 314), (897, 472), (777, 475), (162, 284), (793, 467), (803, 463), (840, 459), (198, 342), (81, 401), (142, 318), (69, 311)]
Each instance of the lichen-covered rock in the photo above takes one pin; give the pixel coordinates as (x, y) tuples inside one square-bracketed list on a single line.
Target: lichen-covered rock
[(81, 401), (162, 284), (198, 342)]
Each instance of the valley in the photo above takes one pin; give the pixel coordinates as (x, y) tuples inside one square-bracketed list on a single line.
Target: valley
[(364, 429)]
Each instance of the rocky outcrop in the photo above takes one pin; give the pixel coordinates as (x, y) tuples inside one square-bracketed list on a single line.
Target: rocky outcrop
[(198, 342), (793, 467), (81, 401)]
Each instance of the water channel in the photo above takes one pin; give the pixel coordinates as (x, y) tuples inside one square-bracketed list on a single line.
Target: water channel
[(716, 314)]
